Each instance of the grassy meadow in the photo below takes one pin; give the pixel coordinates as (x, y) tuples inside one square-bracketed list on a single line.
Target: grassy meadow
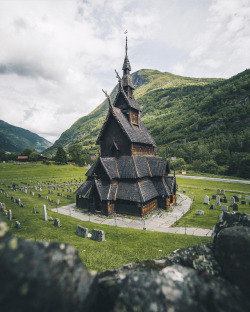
[(122, 245), (197, 189)]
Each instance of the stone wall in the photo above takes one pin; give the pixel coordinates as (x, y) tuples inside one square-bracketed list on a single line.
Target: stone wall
[(37, 276)]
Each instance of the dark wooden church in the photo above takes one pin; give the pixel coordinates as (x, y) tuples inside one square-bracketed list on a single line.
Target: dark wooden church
[(128, 177)]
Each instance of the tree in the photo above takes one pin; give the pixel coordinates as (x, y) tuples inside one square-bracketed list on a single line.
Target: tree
[(27, 151), (3, 155), (75, 151), (178, 164), (61, 157), (78, 155), (33, 156)]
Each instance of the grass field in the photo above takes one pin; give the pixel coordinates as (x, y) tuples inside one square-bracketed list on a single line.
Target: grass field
[(122, 245), (197, 189)]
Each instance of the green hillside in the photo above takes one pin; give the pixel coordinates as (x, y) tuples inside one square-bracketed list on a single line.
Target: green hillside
[(15, 139), (204, 121)]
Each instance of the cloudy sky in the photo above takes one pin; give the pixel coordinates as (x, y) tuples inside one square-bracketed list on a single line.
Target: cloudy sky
[(56, 56)]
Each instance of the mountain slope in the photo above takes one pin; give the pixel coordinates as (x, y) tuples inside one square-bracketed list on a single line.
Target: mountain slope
[(86, 129), (15, 139)]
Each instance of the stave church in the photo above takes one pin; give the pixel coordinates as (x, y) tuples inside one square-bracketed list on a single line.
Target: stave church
[(128, 177)]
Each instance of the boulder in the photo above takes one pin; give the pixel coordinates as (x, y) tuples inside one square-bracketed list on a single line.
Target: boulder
[(232, 249)]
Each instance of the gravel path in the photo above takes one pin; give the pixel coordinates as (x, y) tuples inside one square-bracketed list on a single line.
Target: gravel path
[(159, 222)]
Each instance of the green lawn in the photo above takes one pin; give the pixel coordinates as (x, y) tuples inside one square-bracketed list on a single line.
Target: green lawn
[(200, 188), (122, 245)]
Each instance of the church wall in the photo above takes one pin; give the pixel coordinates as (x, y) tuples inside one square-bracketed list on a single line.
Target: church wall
[(111, 134), (139, 149)]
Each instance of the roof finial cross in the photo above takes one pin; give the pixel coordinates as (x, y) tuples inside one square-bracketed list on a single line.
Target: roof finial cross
[(126, 48)]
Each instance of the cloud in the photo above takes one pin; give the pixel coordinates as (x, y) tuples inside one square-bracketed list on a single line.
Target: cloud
[(56, 56)]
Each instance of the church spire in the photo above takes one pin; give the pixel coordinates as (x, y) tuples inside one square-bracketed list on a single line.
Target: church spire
[(126, 78)]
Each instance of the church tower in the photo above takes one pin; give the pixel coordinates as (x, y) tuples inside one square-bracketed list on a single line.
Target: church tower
[(128, 177)]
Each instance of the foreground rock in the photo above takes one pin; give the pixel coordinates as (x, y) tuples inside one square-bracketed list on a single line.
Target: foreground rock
[(37, 276), (50, 277)]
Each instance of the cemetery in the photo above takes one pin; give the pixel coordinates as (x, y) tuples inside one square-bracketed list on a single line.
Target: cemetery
[(25, 215)]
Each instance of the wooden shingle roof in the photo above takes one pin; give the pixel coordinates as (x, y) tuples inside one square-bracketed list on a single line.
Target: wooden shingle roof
[(131, 167)]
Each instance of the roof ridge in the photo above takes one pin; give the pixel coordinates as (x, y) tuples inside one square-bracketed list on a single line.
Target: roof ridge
[(105, 168), (136, 169)]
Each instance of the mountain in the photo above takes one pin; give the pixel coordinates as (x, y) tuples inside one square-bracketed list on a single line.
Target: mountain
[(86, 129), (204, 121), (15, 139)]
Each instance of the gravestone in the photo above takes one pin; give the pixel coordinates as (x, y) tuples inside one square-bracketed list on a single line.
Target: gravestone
[(10, 214), (235, 207), (224, 208), (34, 210), (81, 231), (222, 200), (213, 196), (243, 202), (45, 217), (25, 191), (222, 192), (57, 222), (48, 191), (247, 197), (236, 198), (217, 202), (218, 192), (18, 225), (40, 189), (58, 194), (40, 195), (199, 212), (206, 200), (213, 207), (232, 201), (69, 197), (98, 235), (13, 199), (57, 201), (240, 196), (184, 191), (47, 197)]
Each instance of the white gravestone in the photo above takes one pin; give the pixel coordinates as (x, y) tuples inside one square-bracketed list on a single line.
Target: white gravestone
[(57, 201), (232, 202), (217, 200), (218, 192), (9, 214), (199, 212), (206, 200), (247, 197), (224, 208), (45, 217)]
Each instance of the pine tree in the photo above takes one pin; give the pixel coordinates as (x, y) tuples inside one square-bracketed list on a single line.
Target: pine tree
[(61, 157)]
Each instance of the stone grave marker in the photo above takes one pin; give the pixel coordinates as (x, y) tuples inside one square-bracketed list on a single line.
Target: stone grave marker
[(57, 201), (34, 210), (81, 231), (222, 192), (19, 202), (45, 217), (47, 197), (18, 225), (218, 192), (236, 198), (199, 212), (225, 200), (224, 208), (39, 195), (13, 199), (98, 235), (243, 202), (69, 197), (213, 196), (240, 196), (213, 207), (217, 202), (9, 214), (206, 200), (57, 222), (235, 207), (247, 197), (232, 201), (184, 191)]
